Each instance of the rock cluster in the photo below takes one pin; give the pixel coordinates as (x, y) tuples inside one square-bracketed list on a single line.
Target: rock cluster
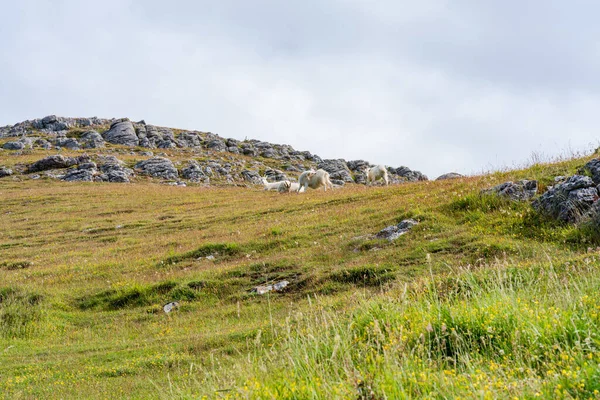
[(449, 175), (393, 232), (94, 133), (5, 172), (158, 167), (522, 190), (570, 200)]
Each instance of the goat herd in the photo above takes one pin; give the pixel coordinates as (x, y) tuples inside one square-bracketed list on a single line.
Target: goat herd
[(315, 179)]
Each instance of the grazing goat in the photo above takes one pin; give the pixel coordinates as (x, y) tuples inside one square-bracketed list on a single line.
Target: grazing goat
[(280, 186), (314, 180), (376, 172)]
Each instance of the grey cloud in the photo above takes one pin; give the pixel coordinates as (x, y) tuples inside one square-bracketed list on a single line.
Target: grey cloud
[(434, 85)]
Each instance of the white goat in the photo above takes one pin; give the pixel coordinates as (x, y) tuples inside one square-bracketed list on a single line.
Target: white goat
[(314, 180), (376, 172), (280, 186)]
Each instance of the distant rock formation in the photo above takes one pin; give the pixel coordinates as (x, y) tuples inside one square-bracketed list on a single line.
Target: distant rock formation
[(224, 160)]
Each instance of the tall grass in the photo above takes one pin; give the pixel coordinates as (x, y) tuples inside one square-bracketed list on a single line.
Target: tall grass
[(501, 332), (19, 313)]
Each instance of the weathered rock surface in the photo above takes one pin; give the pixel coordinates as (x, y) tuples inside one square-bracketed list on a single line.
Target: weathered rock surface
[(393, 232), (275, 175), (225, 167), (121, 132), (91, 140), (22, 143), (593, 169), (568, 201), (195, 172), (158, 167), (449, 175), (252, 177), (68, 143), (56, 162), (5, 172), (83, 173), (518, 191), (216, 145), (337, 169), (410, 175), (13, 145), (43, 143)]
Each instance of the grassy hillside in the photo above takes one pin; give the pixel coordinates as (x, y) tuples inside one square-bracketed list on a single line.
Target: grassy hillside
[(482, 299)]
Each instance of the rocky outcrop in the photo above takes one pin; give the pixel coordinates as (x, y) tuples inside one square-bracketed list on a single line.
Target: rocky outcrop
[(5, 172), (195, 172), (67, 143), (42, 143), (216, 145), (83, 173), (158, 167), (275, 175), (121, 132), (13, 146), (66, 134), (592, 168), (338, 170), (91, 140), (449, 175), (522, 190), (252, 177), (113, 170), (569, 201), (393, 232), (51, 123), (410, 175), (56, 162), (22, 143)]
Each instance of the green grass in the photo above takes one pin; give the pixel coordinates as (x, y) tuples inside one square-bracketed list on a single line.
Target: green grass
[(484, 298)]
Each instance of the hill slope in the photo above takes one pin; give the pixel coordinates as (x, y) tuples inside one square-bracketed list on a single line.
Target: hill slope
[(483, 298)]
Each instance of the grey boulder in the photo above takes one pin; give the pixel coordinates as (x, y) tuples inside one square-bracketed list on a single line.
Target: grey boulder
[(56, 162), (13, 145), (158, 167), (518, 191), (252, 176), (410, 175), (91, 140), (449, 175), (5, 172), (275, 175), (194, 172), (393, 232), (592, 168), (68, 143), (337, 169), (121, 132), (568, 201)]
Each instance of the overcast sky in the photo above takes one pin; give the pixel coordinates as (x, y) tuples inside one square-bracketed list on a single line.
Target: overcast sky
[(435, 85)]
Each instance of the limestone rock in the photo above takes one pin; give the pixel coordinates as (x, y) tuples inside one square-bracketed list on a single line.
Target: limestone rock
[(568, 201), (91, 140), (337, 169), (68, 143), (393, 232), (56, 162), (449, 175), (410, 175), (252, 176), (121, 132), (5, 172), (158, 167), (518, 191)]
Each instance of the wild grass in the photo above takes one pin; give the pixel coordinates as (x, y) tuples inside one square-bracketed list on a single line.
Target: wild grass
[(499, 332), (482, 299)]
